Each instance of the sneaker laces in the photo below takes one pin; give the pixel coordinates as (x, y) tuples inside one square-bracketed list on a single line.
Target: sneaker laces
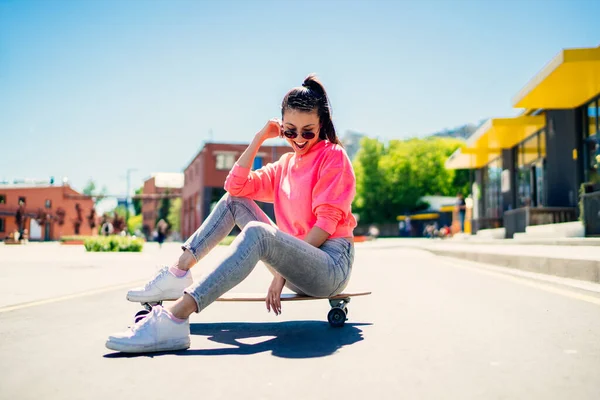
[(163, 271)]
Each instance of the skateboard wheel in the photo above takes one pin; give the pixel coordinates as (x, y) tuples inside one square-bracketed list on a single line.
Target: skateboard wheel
[(336, 317), (140, 315)]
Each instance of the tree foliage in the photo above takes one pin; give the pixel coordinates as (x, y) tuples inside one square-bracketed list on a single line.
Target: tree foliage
[(165, 206), (90, 189), (391, 178), (174, 217), (137, 203)]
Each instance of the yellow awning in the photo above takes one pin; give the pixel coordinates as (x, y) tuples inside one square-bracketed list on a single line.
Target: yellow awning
[(503, 133), (568, 81), (496, 134), (471, 160)]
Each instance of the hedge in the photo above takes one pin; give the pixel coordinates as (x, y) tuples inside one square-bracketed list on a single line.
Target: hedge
[(74, 238), (114, 243)]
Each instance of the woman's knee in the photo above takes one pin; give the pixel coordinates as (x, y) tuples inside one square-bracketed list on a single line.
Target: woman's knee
[(256, 230), (229, 199)]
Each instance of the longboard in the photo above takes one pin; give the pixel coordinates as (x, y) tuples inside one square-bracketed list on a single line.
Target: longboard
[(336, 317), (286, 296)]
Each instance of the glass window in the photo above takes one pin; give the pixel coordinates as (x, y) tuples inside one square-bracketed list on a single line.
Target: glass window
[(524, 186), (225, 161), (22, 200), (492, 189), (591, 150), (530, 150), (48, 203), (542, 143), (530, 172), (540, 189), (2, 227), (592, 115), (2, 199)]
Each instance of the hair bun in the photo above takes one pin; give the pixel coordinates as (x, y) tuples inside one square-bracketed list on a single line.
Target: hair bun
[(311, 82)]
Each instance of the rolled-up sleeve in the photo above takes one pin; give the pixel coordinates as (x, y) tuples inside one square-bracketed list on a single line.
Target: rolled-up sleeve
[(258, 185), (334, 192)]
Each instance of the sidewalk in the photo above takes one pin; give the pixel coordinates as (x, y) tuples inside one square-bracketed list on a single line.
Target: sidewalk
[(580, 261)]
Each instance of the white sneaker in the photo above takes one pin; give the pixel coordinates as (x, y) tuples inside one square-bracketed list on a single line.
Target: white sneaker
[(164, 286), (156, 332)]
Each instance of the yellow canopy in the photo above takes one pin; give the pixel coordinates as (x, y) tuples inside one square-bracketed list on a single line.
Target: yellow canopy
[(486, 144), (569, 80)]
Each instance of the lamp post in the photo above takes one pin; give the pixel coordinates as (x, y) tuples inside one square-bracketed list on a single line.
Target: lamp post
[(127, 196)]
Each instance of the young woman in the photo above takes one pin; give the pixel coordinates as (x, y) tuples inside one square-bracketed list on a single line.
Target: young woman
[(310, 251)]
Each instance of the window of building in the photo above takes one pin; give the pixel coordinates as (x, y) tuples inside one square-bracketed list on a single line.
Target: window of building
[(591, 142), (22, 200), (225, 161), (531, 170), (2, 199), (258, 163), (48, 203), (2, 225), (492, 189)]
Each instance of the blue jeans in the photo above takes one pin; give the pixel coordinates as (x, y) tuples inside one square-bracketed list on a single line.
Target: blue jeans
[(309, 270)]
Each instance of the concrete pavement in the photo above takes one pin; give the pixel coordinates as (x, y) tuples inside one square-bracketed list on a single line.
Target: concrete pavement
[(579, 261), (434, 328)]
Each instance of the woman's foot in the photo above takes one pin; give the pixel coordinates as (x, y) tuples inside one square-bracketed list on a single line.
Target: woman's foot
[(159, 331), (164, 286)]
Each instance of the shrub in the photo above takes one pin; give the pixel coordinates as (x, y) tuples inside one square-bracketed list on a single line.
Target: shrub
[(73, 238), (114, 243)]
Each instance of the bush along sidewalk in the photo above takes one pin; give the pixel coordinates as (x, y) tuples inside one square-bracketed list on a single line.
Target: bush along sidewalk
[(114, 243)]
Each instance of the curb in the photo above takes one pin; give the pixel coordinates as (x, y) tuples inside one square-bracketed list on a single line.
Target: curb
[(586, 270)]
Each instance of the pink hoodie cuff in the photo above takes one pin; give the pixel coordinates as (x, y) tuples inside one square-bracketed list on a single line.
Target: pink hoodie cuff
[(327, 225)]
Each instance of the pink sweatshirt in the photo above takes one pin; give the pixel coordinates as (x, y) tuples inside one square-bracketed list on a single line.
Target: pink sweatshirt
[(316, 189)]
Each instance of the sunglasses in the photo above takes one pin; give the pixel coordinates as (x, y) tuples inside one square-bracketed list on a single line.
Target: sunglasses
[(294, 135)]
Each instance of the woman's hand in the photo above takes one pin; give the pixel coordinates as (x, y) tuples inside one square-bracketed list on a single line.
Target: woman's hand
[(274, 294), (272, 129)]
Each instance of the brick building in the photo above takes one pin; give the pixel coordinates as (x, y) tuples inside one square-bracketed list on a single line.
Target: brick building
[(205, 177), (158, 184), (56, 202)]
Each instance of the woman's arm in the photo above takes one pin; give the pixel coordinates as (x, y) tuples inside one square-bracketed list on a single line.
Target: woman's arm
[(316, 236), (271, 130), (243, 182)]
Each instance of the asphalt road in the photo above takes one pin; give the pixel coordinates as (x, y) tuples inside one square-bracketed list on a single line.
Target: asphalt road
[(434, 328)]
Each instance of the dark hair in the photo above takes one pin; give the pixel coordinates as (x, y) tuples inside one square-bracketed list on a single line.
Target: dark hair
[(309, 97)]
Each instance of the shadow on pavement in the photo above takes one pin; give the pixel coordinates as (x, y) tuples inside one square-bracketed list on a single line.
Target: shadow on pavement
[(290, 339)]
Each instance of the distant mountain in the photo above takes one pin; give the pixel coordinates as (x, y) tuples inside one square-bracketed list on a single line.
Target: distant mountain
[(461, 132)]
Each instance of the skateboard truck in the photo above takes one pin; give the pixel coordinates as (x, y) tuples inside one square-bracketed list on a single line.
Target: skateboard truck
[(338, 314), (147, 309)]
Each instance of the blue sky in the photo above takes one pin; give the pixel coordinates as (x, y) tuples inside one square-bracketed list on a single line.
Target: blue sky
[(91, 88)]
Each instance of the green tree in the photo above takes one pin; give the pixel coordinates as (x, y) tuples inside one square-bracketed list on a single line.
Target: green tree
[(137, 203), (134, 223), (120, 210), (174, 217), (165, 206), (392, 178), (90, 189), (369, 180)]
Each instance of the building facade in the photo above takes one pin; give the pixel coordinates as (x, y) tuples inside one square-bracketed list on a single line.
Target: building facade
[(205, 176), (533, 169), (158, 185), (49, 211)]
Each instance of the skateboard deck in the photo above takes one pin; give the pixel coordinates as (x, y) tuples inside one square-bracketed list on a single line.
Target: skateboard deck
[(336, 317), (286, 296)]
